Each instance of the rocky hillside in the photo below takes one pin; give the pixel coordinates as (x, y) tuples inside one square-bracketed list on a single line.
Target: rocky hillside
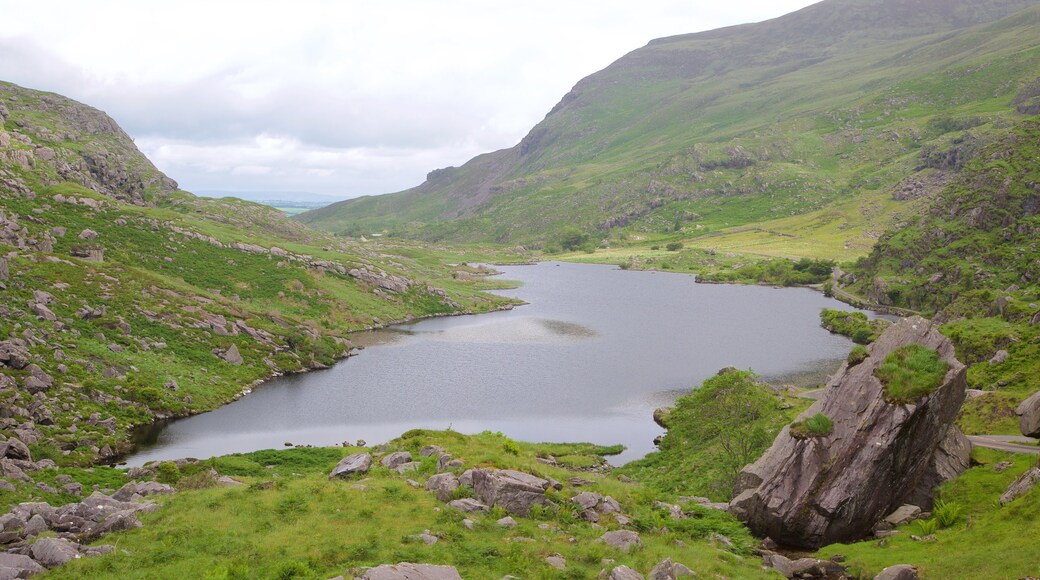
[(696, 134), (124, 300), (971, 260)]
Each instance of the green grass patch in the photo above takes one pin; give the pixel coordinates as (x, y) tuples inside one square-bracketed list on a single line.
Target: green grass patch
[(819, 425), (911, 372)]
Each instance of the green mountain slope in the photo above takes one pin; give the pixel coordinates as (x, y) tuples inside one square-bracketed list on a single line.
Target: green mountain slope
[(123, 299), (700, 133)]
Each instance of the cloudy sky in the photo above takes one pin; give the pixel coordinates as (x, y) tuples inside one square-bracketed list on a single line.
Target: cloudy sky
[(342, 97)]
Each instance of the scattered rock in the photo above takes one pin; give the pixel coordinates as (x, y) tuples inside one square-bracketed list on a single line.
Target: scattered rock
[(431, 450), (468, 505), (902, 516), (624, 573), (1029, 416), (515, 491), (556, 561), (808, 493), (1021, 486), (88, 234), (54, 552), (352, 464), (898, 572), (134, 490), (668, 570), (469, 524), (407, 467), (999, 358), (623, 540), (443, 484), (25, 565), (427, 538), (231, 356), (1003, 466), (408, 571), (507, 522), (395, 459)]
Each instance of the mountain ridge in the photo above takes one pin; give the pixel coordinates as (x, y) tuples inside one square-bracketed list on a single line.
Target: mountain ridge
[(617, 131)]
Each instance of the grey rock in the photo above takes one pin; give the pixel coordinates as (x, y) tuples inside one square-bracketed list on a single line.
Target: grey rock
[(13, 448), (898, 572), (506, 522), (427, 538), (669, 570), (468, 505), (624, 573), (132, 489), (352, 464), (466, 478), (790, 568), (515, 491), (623, 540), (88, 234), (587, 500), (54, 552), (903, 515), (556, 561), (35, 526), (407, 467), (443, 484), (444, 461), (231, 356), (812, 492), (14, 354), (431, 450), (1021, 486), (24, 564), (609, 505), (408, 571), (1029, 416), (395, 459), (999, 358)]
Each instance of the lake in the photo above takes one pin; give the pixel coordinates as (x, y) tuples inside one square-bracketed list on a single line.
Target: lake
[(589, 358)]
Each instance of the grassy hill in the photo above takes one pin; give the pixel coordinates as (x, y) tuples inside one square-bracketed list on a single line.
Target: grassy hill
[(789, 137), (124, 299)]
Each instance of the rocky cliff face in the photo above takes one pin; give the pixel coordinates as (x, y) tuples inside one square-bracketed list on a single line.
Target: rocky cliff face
[(813, 491), (56, 139)]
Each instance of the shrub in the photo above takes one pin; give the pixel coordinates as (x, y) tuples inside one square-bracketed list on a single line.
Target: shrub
[(925, 527), (674, 246), (511, 447), (910, 372), (946, 513), (819, 425), (200, 480), (857, 355), (655, 247), (168, 473)]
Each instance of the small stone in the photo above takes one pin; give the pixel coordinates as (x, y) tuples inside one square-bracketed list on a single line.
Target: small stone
[(507, 522), (556, 561), (623, 540), (898, 572)]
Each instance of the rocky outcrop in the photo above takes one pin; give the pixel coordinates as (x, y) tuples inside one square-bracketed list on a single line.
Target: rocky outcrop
[(820, 490), (1029, 416)]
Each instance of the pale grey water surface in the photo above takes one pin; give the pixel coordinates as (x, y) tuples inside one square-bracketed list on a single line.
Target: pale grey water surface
[(588, 359)]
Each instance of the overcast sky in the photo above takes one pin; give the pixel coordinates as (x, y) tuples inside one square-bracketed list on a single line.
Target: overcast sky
[(344, 98)]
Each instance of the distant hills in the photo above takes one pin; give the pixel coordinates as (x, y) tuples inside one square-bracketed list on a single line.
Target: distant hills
[(819, 118)]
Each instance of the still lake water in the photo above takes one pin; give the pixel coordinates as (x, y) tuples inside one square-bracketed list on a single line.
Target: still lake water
[(595, 351)]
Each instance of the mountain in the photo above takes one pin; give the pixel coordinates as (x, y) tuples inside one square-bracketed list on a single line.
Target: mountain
[(696, 134), (124, 299)]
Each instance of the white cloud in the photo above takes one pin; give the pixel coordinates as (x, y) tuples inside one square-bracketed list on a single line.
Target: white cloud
[(330, 96)]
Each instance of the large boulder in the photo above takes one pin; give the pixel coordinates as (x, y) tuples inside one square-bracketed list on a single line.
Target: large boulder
[(812, 491), (1029, 416), (54, 552), (1021, 486), (352, 464), (515, 491)]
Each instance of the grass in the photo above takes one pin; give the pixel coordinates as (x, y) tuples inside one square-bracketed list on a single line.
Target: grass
[(857, 355), (911, 372), (854, 325), (982, 541), (290, 520), (819, 425)]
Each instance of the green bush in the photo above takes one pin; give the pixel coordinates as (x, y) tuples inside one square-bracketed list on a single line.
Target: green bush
[(819, 425), (674, 246), (910, 372)]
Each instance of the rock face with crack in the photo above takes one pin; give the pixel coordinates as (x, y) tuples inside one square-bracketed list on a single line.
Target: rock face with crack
[(813, 491)]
